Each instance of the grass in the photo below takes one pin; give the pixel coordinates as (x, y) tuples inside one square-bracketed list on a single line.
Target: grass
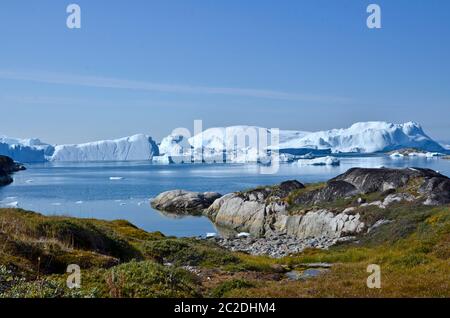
[(121, 260)]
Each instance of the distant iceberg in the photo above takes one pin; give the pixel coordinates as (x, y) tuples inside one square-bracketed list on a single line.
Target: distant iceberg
[(25, 150), (137, 147), (232, 144), (322, 161), (364, 137)]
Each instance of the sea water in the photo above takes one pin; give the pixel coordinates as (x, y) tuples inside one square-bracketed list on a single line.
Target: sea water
[(123, 190)]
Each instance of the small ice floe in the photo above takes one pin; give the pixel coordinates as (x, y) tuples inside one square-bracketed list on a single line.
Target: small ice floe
[(9, 199), (13, 204), (396, 155), (243, 235), (433, 154), (79, 202), (56, 204), (122, 203), (322, 161), (211, 235), (141, 203), (115, 178), (29, 181)]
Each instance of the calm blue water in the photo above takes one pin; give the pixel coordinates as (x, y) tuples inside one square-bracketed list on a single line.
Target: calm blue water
[(86, 190)]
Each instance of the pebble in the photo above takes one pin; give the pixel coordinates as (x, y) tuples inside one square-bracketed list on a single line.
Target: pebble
[(276, 247)]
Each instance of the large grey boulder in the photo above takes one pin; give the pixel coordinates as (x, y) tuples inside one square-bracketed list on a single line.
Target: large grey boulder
[(242, 213), (184, 202), (320, 223)]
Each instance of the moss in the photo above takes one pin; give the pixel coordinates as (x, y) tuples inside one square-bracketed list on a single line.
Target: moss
[(226, 287), (413, 252), (188, 252), (144, 279)]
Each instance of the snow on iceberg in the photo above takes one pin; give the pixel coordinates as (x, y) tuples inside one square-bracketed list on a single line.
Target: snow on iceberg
[(367, 137), (171, 145), (364, 137), (137, 147)]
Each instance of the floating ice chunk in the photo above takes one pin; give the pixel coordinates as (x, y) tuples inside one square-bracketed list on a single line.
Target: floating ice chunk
[(322, 161), (211, 235), (79, 202), (115, 178), (162, 160), (396, 155), (56, 204), (13, 204)]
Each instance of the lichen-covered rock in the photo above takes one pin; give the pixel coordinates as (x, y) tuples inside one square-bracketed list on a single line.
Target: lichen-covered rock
[(242, 213), (437, 190), (184, 202), (321, 223)]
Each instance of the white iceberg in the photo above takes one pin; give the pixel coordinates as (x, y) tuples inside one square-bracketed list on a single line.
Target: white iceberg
[(166, 159), (137, 147), (25, 150), (115, 178), (171, 145), (14, 204), (396, 155), (250, 143), (321, 161)]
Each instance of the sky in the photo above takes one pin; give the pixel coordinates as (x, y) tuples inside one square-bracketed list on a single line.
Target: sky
[(147, 66)]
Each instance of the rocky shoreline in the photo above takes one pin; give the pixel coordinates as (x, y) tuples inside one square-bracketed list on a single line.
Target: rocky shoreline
[(7, 167), (289, 217)]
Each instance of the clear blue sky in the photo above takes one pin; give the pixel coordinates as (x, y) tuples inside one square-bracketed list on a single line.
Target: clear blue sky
[(151, 66)]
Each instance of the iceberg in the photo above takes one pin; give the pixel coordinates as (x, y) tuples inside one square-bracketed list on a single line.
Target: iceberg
[(166, 159), (171, 145), (25, 150), (367, 137), (322, 161), (250, 143), (137, 147)]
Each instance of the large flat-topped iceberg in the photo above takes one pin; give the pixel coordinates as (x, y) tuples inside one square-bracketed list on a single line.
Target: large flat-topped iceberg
[(137, 147)]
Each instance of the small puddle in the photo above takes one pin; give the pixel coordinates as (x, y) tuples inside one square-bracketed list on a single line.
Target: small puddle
[(307, 273)]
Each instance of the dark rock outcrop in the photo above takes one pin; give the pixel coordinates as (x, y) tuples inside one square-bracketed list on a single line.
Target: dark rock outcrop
[(437, 190), (184, 202), (287, 187), (434, 187), (5, 179), (8, 166), (368, 180), (332, 191)]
